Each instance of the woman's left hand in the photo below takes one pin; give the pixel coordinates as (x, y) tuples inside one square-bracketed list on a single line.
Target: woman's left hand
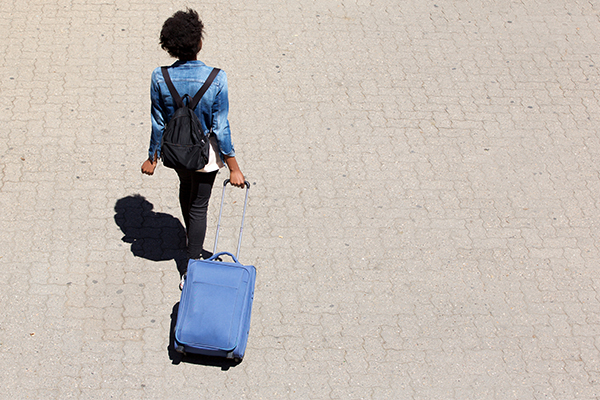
[(148, 167)]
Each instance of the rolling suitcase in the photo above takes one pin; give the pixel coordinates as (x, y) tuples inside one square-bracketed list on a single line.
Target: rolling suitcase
[(216, 302)]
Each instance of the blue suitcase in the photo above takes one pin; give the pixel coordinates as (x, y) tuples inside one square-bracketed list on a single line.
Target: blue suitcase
[(216, 303)]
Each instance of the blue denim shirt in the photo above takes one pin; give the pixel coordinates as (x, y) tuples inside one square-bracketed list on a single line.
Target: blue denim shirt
[(188, 77)]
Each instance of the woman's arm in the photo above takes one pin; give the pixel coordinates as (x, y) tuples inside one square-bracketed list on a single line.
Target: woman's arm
[(158, 126), (220, 128)]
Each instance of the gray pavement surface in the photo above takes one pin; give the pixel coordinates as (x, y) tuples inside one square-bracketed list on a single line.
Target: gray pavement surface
[(423, 215)]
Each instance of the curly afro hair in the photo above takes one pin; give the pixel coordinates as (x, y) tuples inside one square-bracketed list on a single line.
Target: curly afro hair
[(181, 34)]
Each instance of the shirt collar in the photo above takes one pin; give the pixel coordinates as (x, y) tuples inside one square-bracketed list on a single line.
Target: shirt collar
[(191, 62)]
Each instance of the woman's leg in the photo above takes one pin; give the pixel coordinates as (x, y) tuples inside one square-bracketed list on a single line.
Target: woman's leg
[(185, 193), (196, 209)]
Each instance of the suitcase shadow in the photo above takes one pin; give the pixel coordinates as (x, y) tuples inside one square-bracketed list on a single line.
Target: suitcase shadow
[(153, 236), (177, 358)]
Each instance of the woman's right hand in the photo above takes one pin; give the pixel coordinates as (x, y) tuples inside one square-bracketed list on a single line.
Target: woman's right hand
[(236, 178)]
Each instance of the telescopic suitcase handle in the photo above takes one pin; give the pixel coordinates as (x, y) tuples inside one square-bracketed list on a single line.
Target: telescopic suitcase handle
[(237, 254)]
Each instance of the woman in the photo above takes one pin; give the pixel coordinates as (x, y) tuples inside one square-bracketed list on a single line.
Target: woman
[(181, 36)]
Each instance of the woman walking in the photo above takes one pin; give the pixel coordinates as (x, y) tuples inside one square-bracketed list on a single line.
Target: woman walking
[(181, 36)]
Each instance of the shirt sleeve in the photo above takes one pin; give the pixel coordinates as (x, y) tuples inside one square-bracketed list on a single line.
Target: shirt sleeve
[(157, 115), (220, 122)]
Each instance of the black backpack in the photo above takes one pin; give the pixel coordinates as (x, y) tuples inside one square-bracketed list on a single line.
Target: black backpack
[(184, 145)]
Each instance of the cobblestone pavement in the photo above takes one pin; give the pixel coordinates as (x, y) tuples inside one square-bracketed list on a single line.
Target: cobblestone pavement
[(423, 215)]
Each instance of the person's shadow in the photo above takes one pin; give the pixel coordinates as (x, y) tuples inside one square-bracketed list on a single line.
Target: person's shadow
[(159, 237), (153, 236)]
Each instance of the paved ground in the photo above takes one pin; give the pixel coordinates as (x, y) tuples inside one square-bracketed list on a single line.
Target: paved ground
[(424, 208)]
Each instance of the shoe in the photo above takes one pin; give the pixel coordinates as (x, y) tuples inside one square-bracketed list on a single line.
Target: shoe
[(182, 282)]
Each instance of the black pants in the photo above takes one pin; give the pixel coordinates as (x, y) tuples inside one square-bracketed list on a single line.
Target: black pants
[(194, 194)]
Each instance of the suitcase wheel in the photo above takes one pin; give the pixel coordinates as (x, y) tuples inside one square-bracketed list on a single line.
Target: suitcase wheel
[(235, 359), (180, 349)]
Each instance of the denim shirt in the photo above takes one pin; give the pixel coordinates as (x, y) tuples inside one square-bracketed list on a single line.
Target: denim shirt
[(212, 111)]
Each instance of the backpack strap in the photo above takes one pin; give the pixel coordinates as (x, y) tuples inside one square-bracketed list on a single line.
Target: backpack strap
[(204, 88), (199, 94), (174, 93)]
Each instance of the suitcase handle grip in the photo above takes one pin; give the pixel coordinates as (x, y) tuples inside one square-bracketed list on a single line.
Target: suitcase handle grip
[(215, 256), (247, 185), (228, 181)]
